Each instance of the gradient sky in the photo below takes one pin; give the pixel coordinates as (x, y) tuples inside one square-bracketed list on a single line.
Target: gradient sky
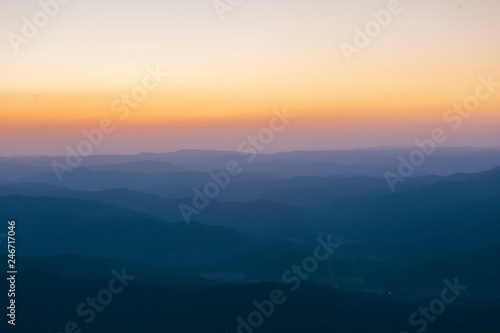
[(227, 76)]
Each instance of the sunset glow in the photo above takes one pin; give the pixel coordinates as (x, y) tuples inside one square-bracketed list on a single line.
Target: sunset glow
[(225, 78)]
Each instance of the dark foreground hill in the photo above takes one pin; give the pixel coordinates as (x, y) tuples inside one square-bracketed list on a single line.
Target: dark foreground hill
[(51, 304)]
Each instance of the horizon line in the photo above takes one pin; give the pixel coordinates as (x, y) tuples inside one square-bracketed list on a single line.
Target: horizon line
[(386, 147)]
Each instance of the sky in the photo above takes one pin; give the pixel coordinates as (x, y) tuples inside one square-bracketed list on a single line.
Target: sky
[(225, 77)]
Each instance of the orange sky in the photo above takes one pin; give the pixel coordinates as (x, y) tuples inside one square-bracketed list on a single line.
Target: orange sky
[(227, 77)]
